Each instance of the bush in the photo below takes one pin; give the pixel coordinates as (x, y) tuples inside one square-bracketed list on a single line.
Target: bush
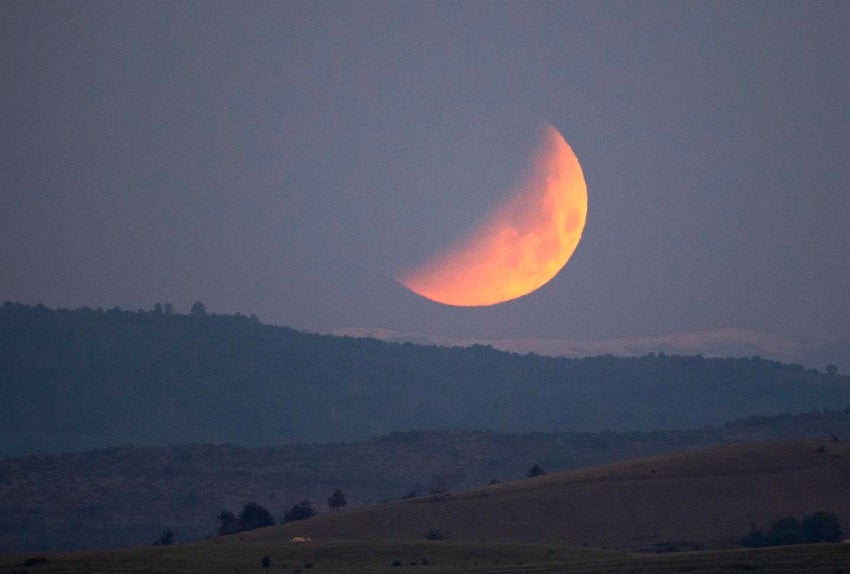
[(816, 527), (166, 538), (785, 531), (227, 523), (821, 527), (755, 539), (536, 470), (254, 516), (433, 534), (301, 511), (337, 500)]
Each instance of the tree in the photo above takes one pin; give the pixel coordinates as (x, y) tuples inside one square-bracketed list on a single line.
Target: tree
[(198, 310), (166, 538), (227, 523), (785, 531), (755, 539), (536, 470), (816, 527), (821, 527), (337, 500), (301, 511), (831, 370), (254, 516)]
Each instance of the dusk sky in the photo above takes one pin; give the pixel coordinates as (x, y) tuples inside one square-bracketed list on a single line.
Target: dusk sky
[(289, 160)]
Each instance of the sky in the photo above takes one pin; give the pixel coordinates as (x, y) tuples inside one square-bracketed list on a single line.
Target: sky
[(289, 160)]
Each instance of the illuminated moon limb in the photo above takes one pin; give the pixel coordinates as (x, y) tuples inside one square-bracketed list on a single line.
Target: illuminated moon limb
[(522, 245)]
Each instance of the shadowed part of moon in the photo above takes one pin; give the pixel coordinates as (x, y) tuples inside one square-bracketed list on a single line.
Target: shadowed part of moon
[(522, 245)]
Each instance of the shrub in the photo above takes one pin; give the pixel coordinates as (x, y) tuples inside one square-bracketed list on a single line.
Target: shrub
[(166, 538), (301, 511), (337, 500), (821, 527), (227, 523), (755, 539), (254, 516), (536, 470), (785, 531), (816, 527)]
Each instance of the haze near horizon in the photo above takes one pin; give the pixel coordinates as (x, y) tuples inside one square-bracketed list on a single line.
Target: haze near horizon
[(287, 160)]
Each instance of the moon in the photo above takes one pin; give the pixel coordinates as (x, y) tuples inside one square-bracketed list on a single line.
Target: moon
[(521, 245)]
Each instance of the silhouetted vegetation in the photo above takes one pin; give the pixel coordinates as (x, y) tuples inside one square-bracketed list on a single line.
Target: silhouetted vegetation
[(83, 379), (434, 534), (227, 523), (816, 527), (536, 470), (251, 517), (254, 516), (42, 510), (301, 511), (166, 538), (337, 500)]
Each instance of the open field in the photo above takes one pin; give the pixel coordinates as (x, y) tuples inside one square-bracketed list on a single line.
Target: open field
[(589, 520), (234, 555), (120, 497), (704, 499)]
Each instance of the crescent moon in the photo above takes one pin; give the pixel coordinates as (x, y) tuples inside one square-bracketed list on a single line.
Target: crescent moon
[(523, 243)]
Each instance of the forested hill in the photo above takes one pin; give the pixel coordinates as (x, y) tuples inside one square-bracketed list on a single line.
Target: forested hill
[(83, 379)]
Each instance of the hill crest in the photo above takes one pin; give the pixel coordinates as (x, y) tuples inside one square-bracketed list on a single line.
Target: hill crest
[(84, 379)]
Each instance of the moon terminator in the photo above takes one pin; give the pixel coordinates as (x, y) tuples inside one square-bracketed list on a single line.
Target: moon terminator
[(522, 245)]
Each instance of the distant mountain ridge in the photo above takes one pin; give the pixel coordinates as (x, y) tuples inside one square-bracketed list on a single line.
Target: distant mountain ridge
[(83, 379)]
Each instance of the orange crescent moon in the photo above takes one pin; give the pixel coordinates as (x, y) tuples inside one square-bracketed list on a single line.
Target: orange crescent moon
[(522, 245)]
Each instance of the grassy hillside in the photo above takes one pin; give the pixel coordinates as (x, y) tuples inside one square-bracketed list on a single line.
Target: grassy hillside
[(539, 525), (84, 379), (128, 495), (706, 498)]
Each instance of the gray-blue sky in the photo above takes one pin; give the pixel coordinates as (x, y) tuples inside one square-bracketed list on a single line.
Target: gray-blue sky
[(287, 159)]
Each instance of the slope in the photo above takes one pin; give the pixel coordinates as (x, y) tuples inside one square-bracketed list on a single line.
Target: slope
[(84, 379), (703, 498)]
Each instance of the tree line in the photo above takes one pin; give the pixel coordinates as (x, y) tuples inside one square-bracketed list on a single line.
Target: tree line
[(816, 527), (85, 379), (254, 516)]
